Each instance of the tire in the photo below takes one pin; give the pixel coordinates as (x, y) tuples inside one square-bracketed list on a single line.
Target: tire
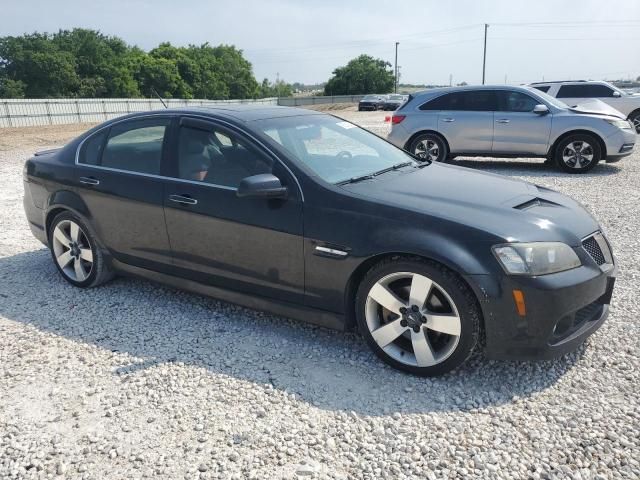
[(578, 153), (635, 119), (76, 253), (429, 146), (431, 340)]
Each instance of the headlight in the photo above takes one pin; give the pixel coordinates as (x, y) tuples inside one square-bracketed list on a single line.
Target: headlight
[(539, 258), (619, 123)]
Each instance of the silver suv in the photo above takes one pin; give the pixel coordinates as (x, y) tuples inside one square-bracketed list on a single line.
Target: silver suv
[(579, 92), (501, 121)]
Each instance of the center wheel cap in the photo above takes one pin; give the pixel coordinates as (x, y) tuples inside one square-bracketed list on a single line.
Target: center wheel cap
[(412, 318)]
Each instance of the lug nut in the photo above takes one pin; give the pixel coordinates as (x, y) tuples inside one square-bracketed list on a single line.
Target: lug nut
[(403, 310), (403, 323), (416, 329), (415, 308), (424, 319)]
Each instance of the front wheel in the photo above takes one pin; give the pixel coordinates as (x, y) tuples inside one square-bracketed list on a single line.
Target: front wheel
[(418, 316), (430, 147), (635, 119), (578, 153)]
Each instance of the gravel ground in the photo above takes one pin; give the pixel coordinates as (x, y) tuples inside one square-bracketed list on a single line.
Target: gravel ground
[(134, 380)]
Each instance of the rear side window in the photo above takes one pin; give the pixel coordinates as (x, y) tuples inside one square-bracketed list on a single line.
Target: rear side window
[(443, 102), (584, 91), (542, 88), (475, 101), (91, 150), (516, 102), (136, 146)]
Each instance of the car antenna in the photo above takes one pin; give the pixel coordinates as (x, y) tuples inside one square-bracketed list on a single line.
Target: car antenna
[(159, 97)]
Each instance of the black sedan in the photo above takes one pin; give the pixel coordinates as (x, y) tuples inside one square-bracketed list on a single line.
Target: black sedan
[(371, 102), (309, 216), (393, 102)]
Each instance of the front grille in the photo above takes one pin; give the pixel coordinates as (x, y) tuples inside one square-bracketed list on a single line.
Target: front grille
[(593, 249)]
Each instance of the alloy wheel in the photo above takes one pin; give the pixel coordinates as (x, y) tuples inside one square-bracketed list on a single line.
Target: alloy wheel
[(636, 123), (72, 250), (427, 150), (577, 154), (413, 319)]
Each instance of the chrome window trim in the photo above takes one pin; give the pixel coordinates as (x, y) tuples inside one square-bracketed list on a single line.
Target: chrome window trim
[(229, 125)]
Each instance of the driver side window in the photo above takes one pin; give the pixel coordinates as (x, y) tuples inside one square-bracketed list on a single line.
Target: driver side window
[(210, 154), (517, 102)]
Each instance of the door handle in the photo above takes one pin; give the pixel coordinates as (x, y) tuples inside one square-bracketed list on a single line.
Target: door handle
[(89, 181), (448, 120), (502, 120), (183, 199)]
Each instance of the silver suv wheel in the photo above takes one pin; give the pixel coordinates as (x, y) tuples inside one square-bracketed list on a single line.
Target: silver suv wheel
[(578, 154)]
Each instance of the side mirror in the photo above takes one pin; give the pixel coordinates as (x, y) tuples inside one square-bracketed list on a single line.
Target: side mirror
[(616, 94), (264, 185), (541, 109)]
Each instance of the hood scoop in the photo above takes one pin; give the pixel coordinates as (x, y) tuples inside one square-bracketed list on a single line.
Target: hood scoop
[(536, 202)]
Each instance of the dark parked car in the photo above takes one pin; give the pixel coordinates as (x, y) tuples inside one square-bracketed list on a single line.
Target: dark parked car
[(371, 102), (393, 102), (312, 217)]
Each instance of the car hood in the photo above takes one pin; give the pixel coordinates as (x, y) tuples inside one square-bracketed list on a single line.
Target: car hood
[(596, 107), (509, 209)]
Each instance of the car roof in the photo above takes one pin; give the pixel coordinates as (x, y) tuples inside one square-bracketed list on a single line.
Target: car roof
[(439, 90), (238, 112)]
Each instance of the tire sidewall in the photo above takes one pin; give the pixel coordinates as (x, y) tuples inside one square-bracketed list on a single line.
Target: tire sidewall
[(97, 257), (597, 153), (443, 151), (467, 309)]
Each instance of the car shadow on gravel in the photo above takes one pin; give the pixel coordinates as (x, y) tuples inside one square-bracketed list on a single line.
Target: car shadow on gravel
[(535, 167), (327, 369)]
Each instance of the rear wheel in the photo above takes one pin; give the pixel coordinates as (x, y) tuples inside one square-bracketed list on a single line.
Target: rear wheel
[(418, 316), (76, 253), (429, 146), (578, 153)]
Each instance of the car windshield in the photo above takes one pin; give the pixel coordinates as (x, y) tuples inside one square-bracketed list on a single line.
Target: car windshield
[(337, 151), (548, 98), (370, 97), (396, 97)]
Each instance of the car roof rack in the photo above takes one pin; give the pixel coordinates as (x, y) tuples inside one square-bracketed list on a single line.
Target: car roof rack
[(557, 81)]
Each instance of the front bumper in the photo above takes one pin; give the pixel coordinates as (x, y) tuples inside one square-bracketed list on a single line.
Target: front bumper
[(620, 144), (562, 310)]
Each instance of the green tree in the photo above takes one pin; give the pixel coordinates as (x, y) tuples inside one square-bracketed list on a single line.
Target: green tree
[(279, 88), (361, 75), (86, 63)]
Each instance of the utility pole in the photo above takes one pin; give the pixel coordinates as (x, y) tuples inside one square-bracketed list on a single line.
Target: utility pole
[(395, 87), (450, 79), (484, 56)]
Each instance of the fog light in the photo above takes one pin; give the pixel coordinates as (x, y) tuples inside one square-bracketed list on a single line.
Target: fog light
[(518, 297)]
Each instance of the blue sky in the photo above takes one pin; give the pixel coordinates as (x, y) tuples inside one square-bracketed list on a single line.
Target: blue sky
[(304, 41)]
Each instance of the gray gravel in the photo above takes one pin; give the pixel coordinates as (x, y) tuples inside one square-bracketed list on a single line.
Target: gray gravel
[(134, 380)]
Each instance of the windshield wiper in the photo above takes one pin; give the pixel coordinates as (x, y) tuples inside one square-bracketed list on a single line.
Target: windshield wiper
[(374, 174), (355, 179)]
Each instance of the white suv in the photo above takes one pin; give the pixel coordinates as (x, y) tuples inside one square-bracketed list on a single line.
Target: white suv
[(575, 92)]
